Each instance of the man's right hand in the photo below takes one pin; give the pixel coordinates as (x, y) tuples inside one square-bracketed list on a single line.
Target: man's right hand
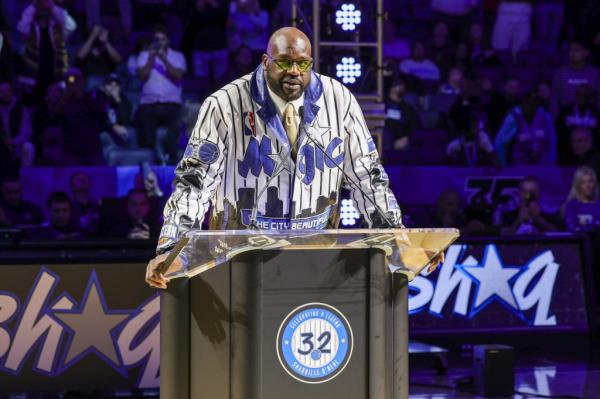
[(153, 277)]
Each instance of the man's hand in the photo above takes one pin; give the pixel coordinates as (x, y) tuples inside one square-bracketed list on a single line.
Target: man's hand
[(153, 278)]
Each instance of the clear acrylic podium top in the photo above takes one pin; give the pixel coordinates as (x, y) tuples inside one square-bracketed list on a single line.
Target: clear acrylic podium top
[(407, 251)]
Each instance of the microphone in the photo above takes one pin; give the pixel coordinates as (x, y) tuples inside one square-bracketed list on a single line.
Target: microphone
[(380, 211)]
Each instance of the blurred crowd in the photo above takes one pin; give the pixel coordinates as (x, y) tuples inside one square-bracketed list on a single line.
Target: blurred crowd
[(77, 215), (85, 82), (467, 83), (493, 83), (525, 213)]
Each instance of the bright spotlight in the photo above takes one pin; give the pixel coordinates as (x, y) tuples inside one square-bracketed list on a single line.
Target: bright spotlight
[(348, 213), (348, 70), (348, 16)]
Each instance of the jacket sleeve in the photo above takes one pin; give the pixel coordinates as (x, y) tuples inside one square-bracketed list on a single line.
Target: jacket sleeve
[(197, 176), (364, 175)]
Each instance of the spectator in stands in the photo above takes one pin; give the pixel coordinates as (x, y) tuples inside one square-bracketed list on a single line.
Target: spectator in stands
[(86, 212), (391, 73), (448, 212), (474, 146), (462, 60), (401, 119), (84, 117), (583, 151), (467, 106), (544, 93), (454, 82), (512, 29), (205, 38), (581, 211), (137, 225), (18, 211), (240, 64), (119, 131), (441, 48), (582, 113), (161, 70), (480, 53), (45, 28), (419, 66), (501, 103), (527, 135), (249, 25), (52, 144), (567, 78), (60, 224), (393, 46), (15, 125), (149, 182), (97, 57), (528, 214), (50, 113)]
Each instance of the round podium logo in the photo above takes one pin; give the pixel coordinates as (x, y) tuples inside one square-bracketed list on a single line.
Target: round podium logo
[(314, 343)]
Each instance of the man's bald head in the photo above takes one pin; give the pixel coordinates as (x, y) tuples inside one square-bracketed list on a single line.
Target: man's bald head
[(288, 39), (287, 45)]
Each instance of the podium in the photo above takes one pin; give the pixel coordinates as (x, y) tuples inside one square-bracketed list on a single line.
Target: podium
[(294, 314)]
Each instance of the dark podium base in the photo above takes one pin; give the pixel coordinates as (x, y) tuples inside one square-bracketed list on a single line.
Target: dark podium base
[(219, 330)]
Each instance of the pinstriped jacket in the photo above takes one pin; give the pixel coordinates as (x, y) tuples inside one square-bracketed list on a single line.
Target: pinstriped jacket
[(239, 154)]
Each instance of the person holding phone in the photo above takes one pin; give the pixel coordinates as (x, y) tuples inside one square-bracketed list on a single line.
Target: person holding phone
[(529, 215), (161, 70)]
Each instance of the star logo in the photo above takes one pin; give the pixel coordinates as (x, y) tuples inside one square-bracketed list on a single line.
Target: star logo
[(316, 132), (282, 161), (92, 327), (492, 280)]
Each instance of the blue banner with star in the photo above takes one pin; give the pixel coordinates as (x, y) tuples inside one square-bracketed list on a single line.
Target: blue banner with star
[(86, 326), (502, 285)]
